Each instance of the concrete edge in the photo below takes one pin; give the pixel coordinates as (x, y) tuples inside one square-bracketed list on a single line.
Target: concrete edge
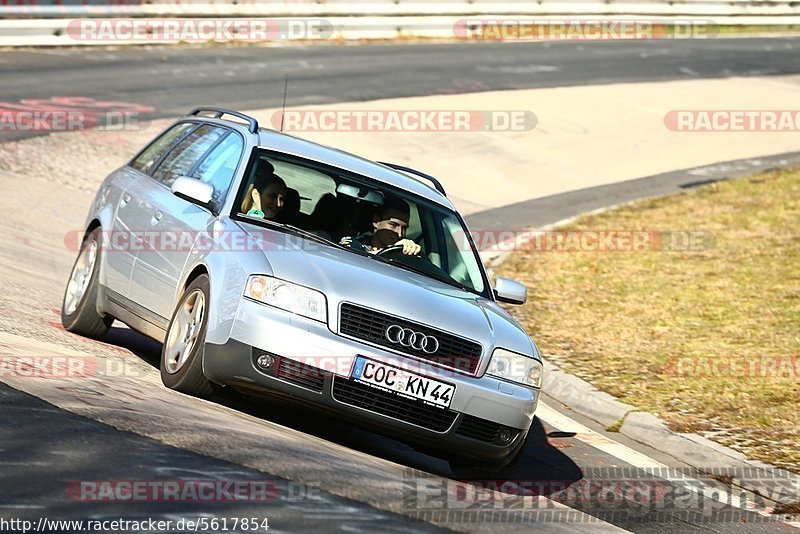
[(582, 397), (697, 451)]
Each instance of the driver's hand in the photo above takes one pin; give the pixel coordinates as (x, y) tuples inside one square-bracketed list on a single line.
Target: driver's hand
[(409, 247)]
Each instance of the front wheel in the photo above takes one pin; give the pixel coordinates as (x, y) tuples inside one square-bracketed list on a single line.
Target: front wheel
[(79, 313), (182, 353)]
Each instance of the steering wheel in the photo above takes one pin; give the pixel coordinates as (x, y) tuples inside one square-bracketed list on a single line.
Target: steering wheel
[(417, 261), (394, 249)]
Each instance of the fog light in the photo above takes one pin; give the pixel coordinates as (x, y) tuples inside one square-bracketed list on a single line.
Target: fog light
[(265, 361), (504, 435)]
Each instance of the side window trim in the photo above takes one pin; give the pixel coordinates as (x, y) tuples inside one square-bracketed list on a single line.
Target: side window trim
[(487, 287), (200, 124), (217, 209), (202, 158), (250, 165), (441, 240), (153, 165), (156, 164)]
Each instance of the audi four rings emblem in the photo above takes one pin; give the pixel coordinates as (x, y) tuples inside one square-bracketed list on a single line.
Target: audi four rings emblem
[(408, 338)]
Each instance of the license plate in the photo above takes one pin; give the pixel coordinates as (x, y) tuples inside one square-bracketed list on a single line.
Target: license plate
[(412, 385)]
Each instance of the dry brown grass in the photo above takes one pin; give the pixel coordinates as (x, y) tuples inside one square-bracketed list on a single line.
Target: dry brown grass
[(622, 321)]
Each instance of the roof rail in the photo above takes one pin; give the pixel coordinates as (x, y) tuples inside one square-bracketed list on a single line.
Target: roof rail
[(219, 112), (436, 183)]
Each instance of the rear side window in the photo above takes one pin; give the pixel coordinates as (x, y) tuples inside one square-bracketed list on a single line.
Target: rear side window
[(181, 160), (157, 148), (219, 166)]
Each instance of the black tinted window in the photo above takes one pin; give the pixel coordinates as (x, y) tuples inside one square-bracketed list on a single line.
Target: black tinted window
[(181, 160), (346, 209), (158, 147), (219, 166)]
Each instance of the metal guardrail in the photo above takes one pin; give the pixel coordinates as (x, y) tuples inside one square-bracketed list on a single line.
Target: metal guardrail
[(47, 22), (56, 32), (317, 8)]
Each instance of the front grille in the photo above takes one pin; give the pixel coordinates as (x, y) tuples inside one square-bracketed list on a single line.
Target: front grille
[(483, 430), (392, 405), (454, 352), (299, 373)]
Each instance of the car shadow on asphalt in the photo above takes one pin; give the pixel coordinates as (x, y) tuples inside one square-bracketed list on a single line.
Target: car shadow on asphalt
[(542, 465), (144, 347)]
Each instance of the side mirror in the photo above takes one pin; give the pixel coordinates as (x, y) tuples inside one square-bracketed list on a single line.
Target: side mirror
[(510, 291), (193, 190)]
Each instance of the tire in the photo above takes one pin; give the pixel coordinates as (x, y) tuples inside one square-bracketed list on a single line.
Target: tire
[(182, 352), (79, 313)]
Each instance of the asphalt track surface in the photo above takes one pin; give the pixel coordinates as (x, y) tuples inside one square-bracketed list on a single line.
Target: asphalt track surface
[(44, 448), (172, 80)]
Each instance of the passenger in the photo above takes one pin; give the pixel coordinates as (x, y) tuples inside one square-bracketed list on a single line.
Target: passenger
[(267, 195), (390, 223)]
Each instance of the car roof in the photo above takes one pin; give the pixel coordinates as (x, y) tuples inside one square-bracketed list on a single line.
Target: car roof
[(289, 144)]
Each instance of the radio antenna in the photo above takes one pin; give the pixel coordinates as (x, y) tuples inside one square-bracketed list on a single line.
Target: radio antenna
[(283, 110)]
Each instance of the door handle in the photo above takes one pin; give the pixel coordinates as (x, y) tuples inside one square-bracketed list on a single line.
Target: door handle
[(157, 217), (125, 199)]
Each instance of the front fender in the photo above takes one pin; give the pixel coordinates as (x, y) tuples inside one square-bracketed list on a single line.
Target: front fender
[(227, 271)]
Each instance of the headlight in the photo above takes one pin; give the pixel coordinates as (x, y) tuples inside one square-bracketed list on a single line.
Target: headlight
[(515, 367), (287, 296)]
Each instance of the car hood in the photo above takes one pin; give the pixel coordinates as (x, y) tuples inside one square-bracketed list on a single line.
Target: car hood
[(344, 276)]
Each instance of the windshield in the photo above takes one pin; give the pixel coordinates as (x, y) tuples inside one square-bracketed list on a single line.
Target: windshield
[(360, 215)]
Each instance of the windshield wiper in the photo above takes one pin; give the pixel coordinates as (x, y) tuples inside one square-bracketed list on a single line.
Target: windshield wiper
[(449, 280), (308, 233), (302, 232)]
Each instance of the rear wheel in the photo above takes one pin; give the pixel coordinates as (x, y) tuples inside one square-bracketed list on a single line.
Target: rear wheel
[(182, 353), (79, 309)]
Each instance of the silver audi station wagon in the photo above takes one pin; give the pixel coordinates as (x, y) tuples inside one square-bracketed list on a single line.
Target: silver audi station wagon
[(273, 265)]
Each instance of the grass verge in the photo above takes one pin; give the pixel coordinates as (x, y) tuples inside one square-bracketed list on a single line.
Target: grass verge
[(707, 337)]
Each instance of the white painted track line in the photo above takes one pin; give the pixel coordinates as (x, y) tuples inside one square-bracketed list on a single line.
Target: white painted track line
[(647, 464)]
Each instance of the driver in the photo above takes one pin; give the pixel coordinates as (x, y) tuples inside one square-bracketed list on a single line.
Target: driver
[(390, 223)]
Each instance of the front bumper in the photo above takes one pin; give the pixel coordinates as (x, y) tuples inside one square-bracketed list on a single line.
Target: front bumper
[(312, 365)]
